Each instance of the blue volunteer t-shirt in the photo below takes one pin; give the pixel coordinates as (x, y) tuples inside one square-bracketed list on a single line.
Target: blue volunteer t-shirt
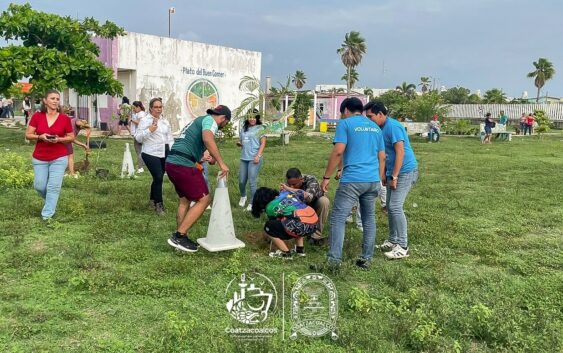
[(363, 140), (394, 132)]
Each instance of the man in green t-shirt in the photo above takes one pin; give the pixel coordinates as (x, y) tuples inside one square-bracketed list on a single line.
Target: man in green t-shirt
[(185, 172)]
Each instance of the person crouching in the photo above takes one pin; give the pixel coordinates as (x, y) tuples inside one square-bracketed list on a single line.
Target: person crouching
[(288, 218)]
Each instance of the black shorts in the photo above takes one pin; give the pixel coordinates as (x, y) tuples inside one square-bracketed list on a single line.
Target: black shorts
[(275, 229), (123, 123)]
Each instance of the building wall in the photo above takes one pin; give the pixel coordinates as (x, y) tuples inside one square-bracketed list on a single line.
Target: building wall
[(190, 77)]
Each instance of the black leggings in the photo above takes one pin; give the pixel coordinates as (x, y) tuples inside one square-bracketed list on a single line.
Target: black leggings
[(156, 168)]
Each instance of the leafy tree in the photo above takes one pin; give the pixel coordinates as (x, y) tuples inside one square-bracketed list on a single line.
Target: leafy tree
[(474, 99), (396, 103), (456, 95), (544, 72), (55, 52), (495, 95), (406, 89), (369, 93), (351, 76), (544, 124), (351, 53), (303, 102), (299, 79), (422, 108), (424, 84)]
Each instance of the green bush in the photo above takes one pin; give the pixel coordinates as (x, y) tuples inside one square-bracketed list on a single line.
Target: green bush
[(15, 172), (544, 124)]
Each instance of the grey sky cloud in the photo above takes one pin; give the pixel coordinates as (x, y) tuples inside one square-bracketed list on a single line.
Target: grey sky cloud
[(478, 44)]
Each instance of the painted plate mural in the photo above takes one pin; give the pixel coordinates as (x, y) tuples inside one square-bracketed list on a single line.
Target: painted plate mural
[(201, 95)]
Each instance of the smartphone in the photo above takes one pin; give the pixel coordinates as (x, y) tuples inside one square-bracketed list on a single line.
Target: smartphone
[(51, 137)]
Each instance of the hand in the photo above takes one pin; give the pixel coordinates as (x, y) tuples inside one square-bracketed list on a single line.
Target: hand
[(393, 184), (283, 187), (42, 137), (256, 159), (324, 185), (224, 170), (384, 180), (338, 174)]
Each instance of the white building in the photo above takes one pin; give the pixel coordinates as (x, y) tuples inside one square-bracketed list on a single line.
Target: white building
[(190, 77)]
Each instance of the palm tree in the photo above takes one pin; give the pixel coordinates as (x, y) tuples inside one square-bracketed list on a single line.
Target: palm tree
[(424, 84), (351, 52), (299, 79), (351, 76), (544, 71), (369, 93), (494, 95), (406, 89)]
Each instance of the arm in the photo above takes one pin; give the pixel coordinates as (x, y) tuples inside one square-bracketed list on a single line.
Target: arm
[(209, 141), (31, 135), (260, 150), (143, 130), (399, 157), (381, 156), (333, 161)]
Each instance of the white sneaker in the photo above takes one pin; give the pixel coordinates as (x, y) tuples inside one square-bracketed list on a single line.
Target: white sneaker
[(242, 201), (249, 208), (397, 253), (387, 246), (140, 170)]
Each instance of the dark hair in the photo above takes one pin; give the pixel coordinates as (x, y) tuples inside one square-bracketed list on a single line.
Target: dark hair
[(488, 114), (151, 103), (293, 173), (353, 104), (262, 197), (139, 104), (124, 100), (376, 107), (47, 94), (250, 113)]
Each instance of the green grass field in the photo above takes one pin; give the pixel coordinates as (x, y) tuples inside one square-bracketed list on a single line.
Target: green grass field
[(485, 272)]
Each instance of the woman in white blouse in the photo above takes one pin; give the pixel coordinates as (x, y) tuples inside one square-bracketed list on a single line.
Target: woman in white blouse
[(155, 134), (138, 114)]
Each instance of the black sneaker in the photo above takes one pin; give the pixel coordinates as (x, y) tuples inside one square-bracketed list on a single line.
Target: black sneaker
[(298, 252), (182, 243), (363, 263)]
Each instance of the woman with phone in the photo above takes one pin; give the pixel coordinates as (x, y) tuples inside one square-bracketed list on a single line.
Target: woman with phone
[(155, 134), (52, 130)]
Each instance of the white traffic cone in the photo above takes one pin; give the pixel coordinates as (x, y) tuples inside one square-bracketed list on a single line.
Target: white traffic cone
[(221, 230), (127, 168)]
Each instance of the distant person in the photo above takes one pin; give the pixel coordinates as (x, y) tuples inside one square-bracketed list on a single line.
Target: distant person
[(136, 117), (52, 130), (530, 123), (359, 147), (489, 124), (186, 175), (7, 104), (434, 129), (289, 218), (77, 126), (26, 109), (503, 119), (253, 143), (313, 196), (124, 115), (523, 120), (401, 173), (155, 134)]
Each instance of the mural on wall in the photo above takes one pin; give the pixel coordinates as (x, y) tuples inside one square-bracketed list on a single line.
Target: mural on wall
[(201, 95)]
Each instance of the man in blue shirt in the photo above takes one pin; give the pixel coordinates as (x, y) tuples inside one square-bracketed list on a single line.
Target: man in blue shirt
[(401, 171), (358, 143)]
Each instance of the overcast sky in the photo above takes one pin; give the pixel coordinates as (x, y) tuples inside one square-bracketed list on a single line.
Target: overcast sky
[(478, 44)]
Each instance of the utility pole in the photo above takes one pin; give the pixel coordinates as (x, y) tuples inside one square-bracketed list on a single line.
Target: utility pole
[(170, 12)]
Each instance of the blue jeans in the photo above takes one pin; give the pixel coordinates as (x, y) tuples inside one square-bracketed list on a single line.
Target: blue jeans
[(248, 172), (431, 134), (48, 182), (348, 195), (382, 198), (396, 213)]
